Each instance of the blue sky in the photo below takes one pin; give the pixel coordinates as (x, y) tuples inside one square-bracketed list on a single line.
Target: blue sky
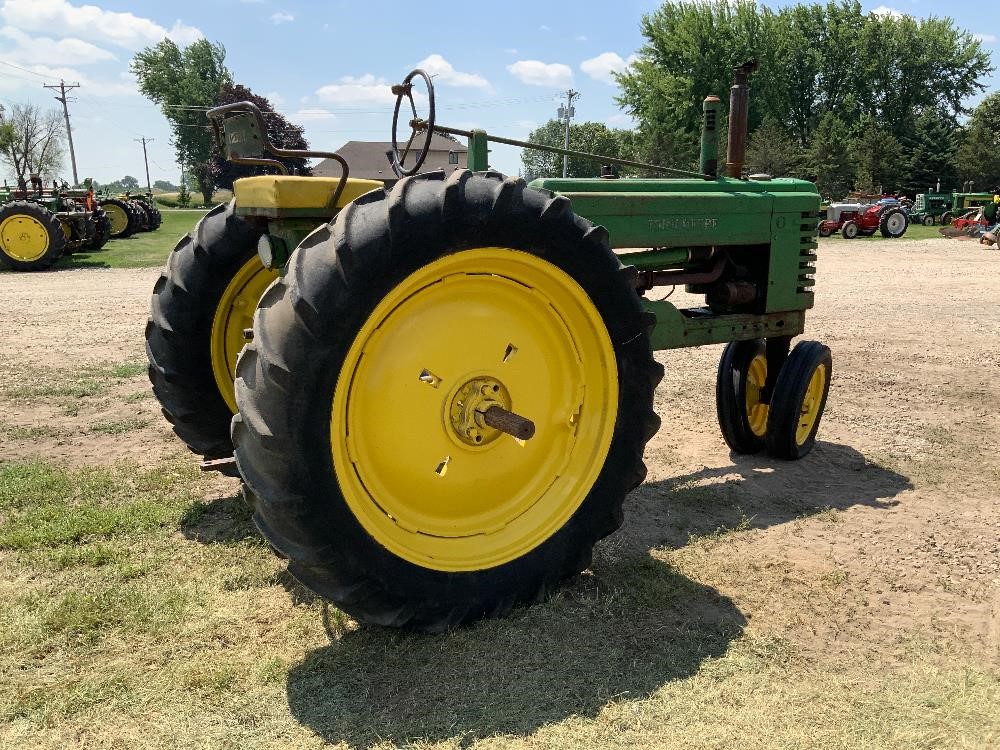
[(327, 65)]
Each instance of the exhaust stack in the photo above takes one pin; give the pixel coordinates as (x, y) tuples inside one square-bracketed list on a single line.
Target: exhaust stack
[(739, 102)]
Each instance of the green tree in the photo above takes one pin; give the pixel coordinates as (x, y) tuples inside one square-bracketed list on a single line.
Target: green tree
[(280, 132), (165, 185), (129, 182), (979, 153), (185, 83), (879, 158), (830, 156), (772, 150), (931, 149), (592, 137)]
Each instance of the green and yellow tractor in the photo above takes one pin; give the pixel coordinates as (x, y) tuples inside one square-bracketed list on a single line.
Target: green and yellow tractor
[(438, 396), (38, 225), (131, 213)]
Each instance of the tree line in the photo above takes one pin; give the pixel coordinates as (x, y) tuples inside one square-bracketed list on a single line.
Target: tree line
[(845, 98)]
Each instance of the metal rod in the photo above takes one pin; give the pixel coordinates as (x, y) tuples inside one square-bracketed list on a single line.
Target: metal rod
[(569, 152), (507, 421), (739, 101)]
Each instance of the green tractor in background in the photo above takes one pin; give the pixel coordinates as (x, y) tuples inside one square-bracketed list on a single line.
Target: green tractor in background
[(39, 225), (131, 213), (438, 395), (929, 207)]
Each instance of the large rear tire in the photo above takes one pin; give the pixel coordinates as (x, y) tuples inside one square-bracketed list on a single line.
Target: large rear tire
[(893, 223), (195, 327), (124, 222), (102, 230), (31, 237), (389, 326)]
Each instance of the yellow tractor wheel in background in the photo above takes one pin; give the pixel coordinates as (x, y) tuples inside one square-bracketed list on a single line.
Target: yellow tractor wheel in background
[(31, 238), (121, 216), (445, 403), (201, 305)]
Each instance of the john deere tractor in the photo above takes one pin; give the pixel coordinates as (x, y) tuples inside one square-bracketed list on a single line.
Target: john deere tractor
[(38, 225), (438, 395), (131, 213)]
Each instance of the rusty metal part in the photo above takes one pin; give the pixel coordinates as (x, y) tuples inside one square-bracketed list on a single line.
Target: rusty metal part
[(513, 424), (649, 279), (226, 466), (739, 101), (729, 293)]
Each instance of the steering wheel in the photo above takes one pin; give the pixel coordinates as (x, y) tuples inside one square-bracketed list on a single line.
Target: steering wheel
[(405, 89)]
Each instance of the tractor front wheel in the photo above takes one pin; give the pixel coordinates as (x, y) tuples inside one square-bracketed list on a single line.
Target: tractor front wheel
[(31, 237), (799, 400), (363, 433), (201, 305), (742, 414), (928, 220)]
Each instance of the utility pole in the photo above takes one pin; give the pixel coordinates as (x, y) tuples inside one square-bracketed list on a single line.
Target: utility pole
[(145, 158), (62, 87), (566, 113)]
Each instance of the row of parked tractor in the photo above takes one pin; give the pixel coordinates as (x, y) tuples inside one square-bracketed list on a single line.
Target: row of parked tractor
[(39, 224), (863, 216)]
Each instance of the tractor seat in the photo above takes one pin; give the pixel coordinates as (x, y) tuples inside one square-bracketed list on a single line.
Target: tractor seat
[(284, 195)]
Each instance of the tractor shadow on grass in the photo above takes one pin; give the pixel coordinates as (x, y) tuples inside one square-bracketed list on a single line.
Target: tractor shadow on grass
[(755, 492), (617, 635), (222, 520)]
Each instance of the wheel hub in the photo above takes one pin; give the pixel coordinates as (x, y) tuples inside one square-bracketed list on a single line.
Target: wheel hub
[(466, 413), (24, 238)]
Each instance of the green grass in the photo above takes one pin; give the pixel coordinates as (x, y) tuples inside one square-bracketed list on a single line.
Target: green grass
[(67, 383), (913, 232), (141, 250)]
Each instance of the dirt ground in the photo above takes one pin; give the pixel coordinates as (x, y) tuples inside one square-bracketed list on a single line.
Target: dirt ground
[(886, 535)]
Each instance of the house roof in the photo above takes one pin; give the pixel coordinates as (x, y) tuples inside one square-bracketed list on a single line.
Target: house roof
[(368, 160)]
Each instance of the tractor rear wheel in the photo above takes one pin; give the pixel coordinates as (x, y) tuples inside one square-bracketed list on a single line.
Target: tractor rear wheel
[(201, 305), (124, 223), (946, 218), (798, 400), (31, 237), (142, 215), (892, 223), (155, 217), (742, 415), (849, 231), (361, 433)]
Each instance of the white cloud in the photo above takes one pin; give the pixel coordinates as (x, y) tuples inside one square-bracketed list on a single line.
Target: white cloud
[(537, 73), (602, 67), (986, 38), (444, 72), (28, 50), (276, 99), (312, 114), (124, 85), (581, 38), (621, 120), (281, 17), (886, 11), (88, 21), (366, 89), (543, 27), (511, 50)]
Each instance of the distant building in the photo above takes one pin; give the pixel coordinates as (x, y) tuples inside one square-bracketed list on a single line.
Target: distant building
[(368, 159)]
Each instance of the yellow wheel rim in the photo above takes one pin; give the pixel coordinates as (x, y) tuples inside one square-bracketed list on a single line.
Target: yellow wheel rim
[(118, 217), (809, 411), (756, 409), (23, 238), (431, 484), (67, 230), (233, 315)]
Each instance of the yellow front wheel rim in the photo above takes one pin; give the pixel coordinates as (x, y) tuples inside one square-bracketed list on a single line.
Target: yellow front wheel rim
[(233, 315), (756, 409), (415, 469), (811, 403), (24, 238), (118, 217)]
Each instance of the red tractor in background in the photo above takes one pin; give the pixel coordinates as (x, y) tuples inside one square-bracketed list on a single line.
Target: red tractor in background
[(887, 216)]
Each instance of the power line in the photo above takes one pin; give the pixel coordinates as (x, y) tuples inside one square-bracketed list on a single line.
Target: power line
[(25, 70)]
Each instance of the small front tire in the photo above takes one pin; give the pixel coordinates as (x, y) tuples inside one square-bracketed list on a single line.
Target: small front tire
[(742, 415), (798, 401)]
